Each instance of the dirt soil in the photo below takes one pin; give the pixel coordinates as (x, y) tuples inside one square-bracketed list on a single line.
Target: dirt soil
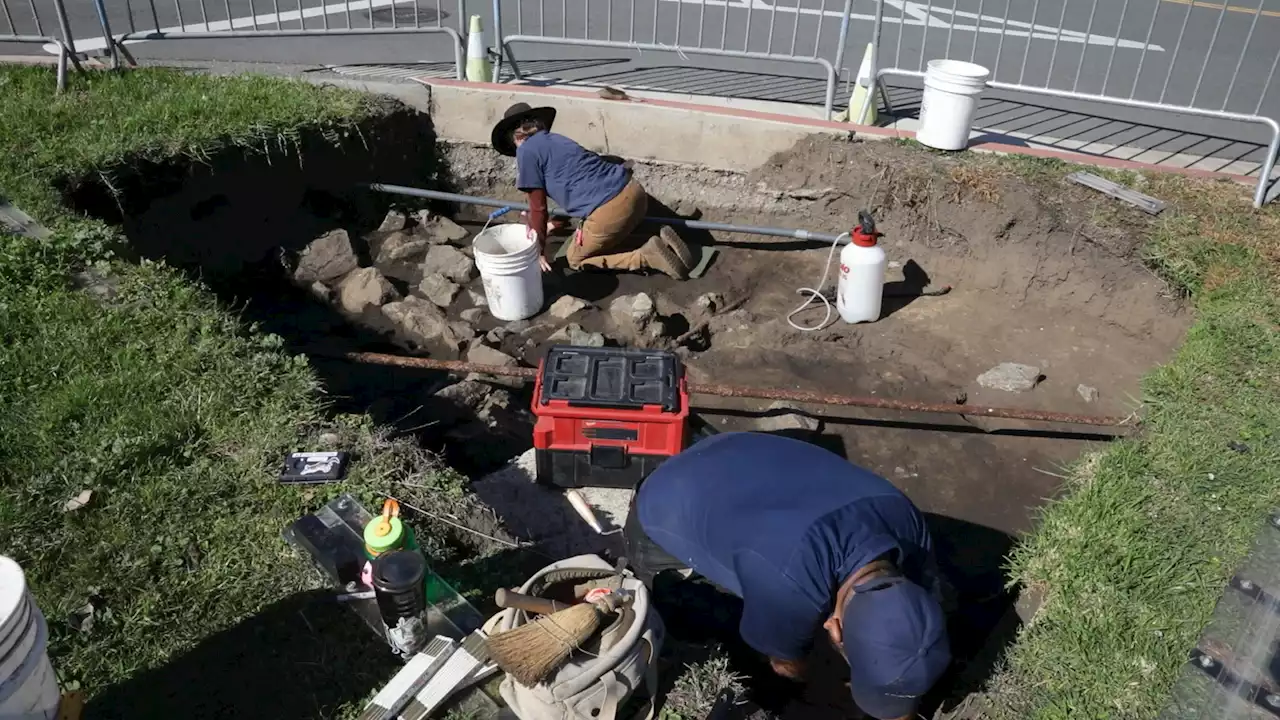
[(1034, 280)]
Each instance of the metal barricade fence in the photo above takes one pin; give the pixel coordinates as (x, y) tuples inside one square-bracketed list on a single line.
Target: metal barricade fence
[(25, 22), (744, 29), (1026, 56), (191, 19)]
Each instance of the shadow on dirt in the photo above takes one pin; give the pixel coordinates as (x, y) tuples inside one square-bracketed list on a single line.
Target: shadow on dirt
[(303, 656), (229, 220)]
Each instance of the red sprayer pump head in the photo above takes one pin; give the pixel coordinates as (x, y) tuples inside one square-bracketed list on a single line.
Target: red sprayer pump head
[(865, 234)]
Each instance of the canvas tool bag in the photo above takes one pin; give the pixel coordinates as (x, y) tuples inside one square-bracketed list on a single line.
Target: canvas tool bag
[(598, 680)]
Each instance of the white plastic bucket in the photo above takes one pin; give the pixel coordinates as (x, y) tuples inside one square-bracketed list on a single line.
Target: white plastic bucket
[(28, 685), (951, 90), (508, 262)]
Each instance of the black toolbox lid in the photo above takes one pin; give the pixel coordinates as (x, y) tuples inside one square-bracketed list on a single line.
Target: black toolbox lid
[(611, 377)]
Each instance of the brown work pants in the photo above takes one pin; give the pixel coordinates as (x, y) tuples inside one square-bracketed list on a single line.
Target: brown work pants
[(608, 239)]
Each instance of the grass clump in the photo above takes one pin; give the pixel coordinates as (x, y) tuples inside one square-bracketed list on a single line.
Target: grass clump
[(1131, 560), (176, 416)]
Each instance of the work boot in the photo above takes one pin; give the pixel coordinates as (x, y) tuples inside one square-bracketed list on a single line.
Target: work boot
[(657, 256), (678, 246)]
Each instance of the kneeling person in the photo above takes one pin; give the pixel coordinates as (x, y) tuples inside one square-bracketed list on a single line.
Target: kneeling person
[(809, 542), (611, 203)]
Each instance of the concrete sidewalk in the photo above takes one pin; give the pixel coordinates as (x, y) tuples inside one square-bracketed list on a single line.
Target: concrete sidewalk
[(1238, 151)]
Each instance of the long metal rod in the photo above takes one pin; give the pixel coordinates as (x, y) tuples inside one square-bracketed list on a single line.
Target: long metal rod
[(691, 224), (797, 396)]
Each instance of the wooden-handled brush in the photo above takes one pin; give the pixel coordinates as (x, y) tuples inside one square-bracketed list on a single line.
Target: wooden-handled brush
[(536, 649)]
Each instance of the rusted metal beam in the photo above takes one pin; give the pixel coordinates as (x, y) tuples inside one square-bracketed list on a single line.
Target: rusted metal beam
[(795, 396)]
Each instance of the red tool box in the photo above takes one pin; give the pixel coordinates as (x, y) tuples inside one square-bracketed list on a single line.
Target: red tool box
[(607, 417)]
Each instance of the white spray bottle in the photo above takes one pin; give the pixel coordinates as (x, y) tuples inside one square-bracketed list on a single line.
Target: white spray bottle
[(862, 268)]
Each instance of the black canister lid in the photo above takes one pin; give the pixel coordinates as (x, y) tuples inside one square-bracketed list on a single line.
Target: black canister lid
[(399, 569)]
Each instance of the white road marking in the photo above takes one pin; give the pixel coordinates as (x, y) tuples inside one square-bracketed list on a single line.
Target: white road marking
[(919, 13)]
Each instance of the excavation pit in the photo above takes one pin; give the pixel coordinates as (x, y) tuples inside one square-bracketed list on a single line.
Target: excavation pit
[(1042, 274)]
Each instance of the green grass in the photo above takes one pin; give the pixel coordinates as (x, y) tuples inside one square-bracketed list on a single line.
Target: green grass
[(176, 416), (1133, 557)]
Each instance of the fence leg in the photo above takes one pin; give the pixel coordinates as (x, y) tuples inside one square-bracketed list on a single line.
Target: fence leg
[(502, 48), (884, 95), (1264, 173), (62, 68), (107, 37)]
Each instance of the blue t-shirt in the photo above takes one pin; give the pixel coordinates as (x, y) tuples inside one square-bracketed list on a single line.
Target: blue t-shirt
[(781, 524), (578, 180)]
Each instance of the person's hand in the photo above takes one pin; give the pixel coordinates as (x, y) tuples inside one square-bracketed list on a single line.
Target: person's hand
[(544, 262), (791, 669)]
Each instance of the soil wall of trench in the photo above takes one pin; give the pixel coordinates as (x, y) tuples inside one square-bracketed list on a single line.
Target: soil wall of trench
[(291, 240)]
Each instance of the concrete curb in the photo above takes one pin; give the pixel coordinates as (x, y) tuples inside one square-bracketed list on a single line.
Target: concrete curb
[(725, 138)]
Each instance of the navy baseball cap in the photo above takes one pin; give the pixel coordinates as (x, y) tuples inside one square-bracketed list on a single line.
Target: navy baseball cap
[(895, 639)]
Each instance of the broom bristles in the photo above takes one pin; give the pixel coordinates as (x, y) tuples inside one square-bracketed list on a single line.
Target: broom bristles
[(536, 649)]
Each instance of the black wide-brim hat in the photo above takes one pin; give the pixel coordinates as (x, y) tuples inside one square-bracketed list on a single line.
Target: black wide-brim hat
[(502, 138)]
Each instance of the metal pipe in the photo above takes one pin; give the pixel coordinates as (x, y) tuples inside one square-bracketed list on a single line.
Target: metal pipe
[(691, 224), (733, 391)]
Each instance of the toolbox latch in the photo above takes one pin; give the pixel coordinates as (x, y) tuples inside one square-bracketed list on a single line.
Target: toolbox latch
[(610, 457)]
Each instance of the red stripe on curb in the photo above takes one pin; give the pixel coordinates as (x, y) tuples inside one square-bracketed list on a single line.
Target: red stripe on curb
[(991, 147)]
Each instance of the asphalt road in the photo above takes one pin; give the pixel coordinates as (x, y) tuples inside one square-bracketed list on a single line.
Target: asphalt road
[(1170, 51)]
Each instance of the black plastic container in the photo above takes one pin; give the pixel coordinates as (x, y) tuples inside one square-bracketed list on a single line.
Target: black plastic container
[(398, 585)]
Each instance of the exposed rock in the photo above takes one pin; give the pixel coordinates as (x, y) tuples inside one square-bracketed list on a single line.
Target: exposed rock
[(635, 311), (573, 334), (438, 289), (449, 262), (709, 302), (400, 246), (319, 291), (327, 258), (736, 330), (399, 256), (395, 220), (1010, 377), (787, 418), (468, 394), (472, 315), (478, 299), (1090, 394), (362, 288), (567, 306), (439, 229), (462, 330), (497, 335), (420, 322), (636, 317), (485, 355)]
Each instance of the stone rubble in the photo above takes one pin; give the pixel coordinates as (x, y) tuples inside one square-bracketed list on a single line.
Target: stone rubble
[(421, 322), (438, 289), (567, 306), (785, 417), (573, 334), (325, 259), (449, 262), (1011, 377), (363, 288)]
